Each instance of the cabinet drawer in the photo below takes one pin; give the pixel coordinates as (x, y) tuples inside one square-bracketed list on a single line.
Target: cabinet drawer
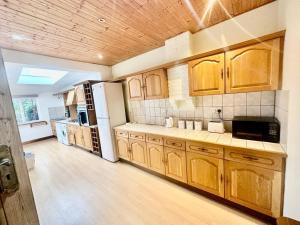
[(137, 136), (205, 149), (154, 139), (265, 160), (174, 143), (121, 133)]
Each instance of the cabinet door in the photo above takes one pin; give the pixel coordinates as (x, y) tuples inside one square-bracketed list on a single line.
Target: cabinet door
[(123, 147), (135, 87), (80, 95), (138, 152), (53, 127), (254, 187), (87, 138), (206, 75), (253, 68), (70, 98), (155, 84), (205, 173), (78, 136), (175, 163), (156, 158), (71, 134)]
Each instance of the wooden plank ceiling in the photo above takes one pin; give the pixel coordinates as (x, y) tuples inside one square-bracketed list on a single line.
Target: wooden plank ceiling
[(71, 29)]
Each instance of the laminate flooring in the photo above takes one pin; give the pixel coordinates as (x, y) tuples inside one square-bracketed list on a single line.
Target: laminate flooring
[(74, 187)]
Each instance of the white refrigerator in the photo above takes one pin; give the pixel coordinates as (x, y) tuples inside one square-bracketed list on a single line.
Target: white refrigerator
[(110, 112)]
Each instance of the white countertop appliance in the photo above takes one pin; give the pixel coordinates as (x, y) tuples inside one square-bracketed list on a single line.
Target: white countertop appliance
[(216, 127), (110, 112), (62, 133)]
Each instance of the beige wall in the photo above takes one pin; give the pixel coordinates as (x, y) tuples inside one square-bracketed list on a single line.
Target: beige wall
[(290, 12), (255, 23)]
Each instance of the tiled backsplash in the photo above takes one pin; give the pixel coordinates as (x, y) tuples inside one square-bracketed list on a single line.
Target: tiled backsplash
[(241, 104)]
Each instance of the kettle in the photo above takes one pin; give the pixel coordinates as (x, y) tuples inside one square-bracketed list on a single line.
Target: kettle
[(169, 122)]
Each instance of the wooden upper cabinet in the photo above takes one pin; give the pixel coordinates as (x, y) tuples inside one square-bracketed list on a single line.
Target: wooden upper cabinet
[(175, 164), (156, 158), (70, 98), (155, 84), (150, 85), (138, 152), (80, 95), (206, 75), (254, 187), (254, 68), (206, 173), (123, 147), (135, 87)]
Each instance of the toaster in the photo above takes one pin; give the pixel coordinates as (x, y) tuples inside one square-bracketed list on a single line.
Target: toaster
[(216, 127)]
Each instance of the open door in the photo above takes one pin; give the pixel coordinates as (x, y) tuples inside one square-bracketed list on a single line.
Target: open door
[(17, 205)]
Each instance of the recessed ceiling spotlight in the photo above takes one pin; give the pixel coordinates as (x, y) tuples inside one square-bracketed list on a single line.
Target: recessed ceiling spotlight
[(20, 37), (101, 20), (100, 56)]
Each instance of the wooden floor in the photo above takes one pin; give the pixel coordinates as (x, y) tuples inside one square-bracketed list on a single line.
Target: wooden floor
[(73, 187)]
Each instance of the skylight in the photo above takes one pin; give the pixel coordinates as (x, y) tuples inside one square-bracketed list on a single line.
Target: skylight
[(40, 76)]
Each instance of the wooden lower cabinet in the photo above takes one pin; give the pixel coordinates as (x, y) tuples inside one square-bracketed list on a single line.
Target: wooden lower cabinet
[(87, 138), (71, 134), (175, 164), (78, 137), (123, 148), (206, 173), (53, 127), (138, 152), (254, 187), (156, 158)]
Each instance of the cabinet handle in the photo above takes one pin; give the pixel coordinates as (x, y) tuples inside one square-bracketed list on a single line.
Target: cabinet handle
[(227, 72), (222, 74), (204, 150), (221, 178)]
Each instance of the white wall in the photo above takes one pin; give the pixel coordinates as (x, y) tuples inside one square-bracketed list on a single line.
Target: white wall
[(44, 101), (289, 11), (255, 23)]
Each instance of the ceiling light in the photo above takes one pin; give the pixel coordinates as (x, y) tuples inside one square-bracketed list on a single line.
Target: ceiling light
[(101, 20), (20, 37), (100, 56), (40, 76)]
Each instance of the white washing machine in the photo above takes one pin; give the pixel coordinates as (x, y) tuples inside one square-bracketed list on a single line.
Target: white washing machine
[(62, 133)]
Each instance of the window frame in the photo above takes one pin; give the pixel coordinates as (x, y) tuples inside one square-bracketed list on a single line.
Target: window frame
[(19, 101)]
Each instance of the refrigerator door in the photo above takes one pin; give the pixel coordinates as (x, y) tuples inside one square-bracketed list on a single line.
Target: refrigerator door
[(100, 101), (107, 140)]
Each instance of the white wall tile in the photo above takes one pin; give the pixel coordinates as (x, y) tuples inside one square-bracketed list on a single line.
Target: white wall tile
[(253, 110), (228, 100), (190, 114), (199, 101), (267, 110), (217, 100), (207, 112), (253, 98), (228, 112), (268, 98), (240, 110), (239, 99), (207, 100), (199, 112)]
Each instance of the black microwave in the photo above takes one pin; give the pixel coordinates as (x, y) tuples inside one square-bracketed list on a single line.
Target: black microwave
[(256, 128)]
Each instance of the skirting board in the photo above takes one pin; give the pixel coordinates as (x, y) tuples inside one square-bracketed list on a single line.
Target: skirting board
[(39, 139)]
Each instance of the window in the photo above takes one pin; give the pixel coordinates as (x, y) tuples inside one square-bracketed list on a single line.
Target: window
[(40, 76), (25, 109)]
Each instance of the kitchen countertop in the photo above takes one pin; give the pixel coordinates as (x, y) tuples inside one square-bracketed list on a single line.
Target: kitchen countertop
[(225, 139), (75, 123)]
